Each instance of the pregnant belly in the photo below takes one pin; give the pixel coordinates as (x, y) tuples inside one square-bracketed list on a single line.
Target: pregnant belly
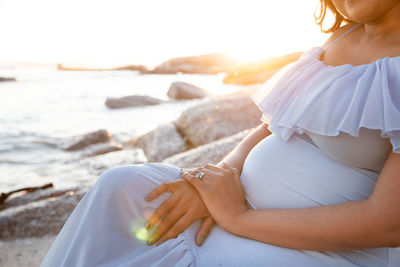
[(296, 174)]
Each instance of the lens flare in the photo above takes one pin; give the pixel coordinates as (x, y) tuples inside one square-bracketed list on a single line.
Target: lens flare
[(141, 234), (138, 230)]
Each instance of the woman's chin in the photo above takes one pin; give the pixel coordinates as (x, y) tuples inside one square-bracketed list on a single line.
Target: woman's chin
[(361, 12)]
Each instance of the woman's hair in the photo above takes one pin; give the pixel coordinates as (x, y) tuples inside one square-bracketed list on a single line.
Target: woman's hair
[(320, 14)]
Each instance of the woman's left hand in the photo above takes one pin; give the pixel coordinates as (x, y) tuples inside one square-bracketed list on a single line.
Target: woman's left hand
[(221, 191)]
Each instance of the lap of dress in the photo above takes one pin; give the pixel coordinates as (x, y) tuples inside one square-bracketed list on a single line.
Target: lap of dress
[(102, 230)]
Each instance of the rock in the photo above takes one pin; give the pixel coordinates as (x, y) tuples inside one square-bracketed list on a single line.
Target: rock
[(44, 212), (210, 153), (182, 90), (162, 142), (132, 101), (100, 136), (7, 79), (100, 149), (38, 214), (140, 68), (5, 195), (260, 71), (221, 117), (24, 198), (203, 64)]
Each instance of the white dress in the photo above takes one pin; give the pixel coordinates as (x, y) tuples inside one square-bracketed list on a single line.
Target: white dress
[(304, 103)]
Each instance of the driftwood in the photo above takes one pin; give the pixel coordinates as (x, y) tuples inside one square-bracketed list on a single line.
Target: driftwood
[(4, 196)]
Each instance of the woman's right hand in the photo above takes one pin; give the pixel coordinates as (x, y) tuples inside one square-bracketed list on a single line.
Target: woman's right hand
[(178, 212)]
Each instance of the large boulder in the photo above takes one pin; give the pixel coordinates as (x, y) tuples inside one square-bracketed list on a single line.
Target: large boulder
[(202, 64), (38, 214), (182, 90), (221, 117), (139, 68), (132, 101), (162, 142), (207, 154), (100, 149), (100, 136)]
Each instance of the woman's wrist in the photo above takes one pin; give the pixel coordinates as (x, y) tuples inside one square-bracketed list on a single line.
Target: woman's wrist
[(233, 223), (230, 163)]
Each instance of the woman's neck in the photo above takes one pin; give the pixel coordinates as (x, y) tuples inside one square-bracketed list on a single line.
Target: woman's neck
[(387, 26)]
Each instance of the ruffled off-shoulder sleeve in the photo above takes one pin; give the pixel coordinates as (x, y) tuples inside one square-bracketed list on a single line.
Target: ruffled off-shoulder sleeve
[(309, 95)]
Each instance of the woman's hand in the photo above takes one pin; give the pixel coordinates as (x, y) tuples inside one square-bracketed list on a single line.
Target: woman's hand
[(221, 191), (177, 213)]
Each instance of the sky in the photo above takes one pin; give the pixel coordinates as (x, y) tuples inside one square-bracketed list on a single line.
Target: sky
[(115, 32)]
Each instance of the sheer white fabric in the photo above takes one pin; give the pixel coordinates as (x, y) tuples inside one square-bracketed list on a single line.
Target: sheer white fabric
[(367, 151), (325, 100)]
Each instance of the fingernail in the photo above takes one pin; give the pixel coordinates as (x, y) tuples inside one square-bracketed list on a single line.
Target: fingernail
[(201, 240), (148, 196)]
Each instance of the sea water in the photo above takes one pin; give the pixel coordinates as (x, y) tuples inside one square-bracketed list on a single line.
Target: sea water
[(47, 107)]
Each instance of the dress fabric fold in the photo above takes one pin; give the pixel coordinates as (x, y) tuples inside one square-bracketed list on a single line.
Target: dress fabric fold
[(326, 100)]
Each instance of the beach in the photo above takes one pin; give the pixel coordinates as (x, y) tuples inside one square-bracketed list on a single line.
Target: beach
[(24, 252), (45, 111), (46, 108), (62, 127)]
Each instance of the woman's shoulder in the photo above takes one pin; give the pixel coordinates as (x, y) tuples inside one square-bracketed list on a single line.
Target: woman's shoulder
[(387, 49), (337, 33)]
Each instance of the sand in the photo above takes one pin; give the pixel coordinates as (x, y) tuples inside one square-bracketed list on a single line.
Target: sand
[(24, 252)]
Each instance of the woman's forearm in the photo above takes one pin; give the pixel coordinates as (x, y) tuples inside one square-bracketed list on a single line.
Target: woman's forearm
[(347, 226), (238, 155)]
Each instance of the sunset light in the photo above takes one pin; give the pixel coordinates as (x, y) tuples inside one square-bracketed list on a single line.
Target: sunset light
[(148, 32), (291, 135)]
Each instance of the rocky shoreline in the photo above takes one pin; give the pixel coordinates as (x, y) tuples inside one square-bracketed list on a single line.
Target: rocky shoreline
[(244, 74), (204, 133)]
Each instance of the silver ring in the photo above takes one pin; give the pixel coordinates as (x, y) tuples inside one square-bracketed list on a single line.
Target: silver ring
[(200, 175)]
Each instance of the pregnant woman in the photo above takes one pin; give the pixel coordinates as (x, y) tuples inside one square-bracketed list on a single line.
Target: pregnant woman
[(316, 184)]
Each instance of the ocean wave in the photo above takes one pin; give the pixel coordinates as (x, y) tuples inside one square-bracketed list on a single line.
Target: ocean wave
[(21, 133), (7, 147), (15, 162), (20, 140)]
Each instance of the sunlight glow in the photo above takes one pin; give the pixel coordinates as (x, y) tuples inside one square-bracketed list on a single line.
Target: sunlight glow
[(138, 231), (151, 31), (141, 234)]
